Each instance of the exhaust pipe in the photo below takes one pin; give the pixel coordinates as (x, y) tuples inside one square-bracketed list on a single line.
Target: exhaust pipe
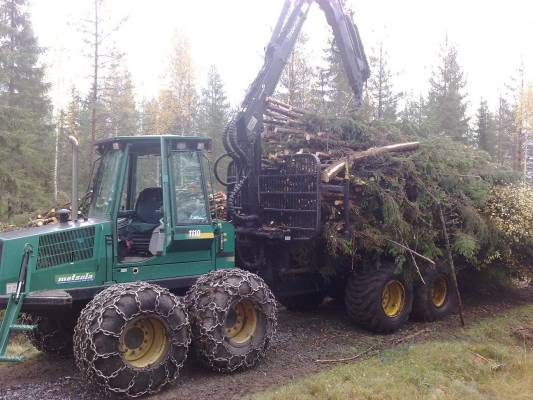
[(74, 193)]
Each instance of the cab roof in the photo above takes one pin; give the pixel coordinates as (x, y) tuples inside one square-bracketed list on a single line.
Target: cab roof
[(155, 138), (147, 142)]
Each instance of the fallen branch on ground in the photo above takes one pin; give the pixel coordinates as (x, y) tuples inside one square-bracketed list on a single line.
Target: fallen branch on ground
[(334, 360), (404, 339)]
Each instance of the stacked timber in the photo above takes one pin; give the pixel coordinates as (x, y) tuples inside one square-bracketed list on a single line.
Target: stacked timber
[(287, 132), (51, 215), (217, 205)]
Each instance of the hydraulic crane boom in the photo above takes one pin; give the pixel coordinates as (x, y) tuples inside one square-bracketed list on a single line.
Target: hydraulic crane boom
[(242, 136)]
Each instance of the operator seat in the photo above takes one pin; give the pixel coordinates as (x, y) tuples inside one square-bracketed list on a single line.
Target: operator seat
[(148, 212)]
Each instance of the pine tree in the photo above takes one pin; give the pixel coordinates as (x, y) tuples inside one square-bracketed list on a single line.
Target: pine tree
[(504, 131), (320, 91), (331, 94), (383, 99), (178, 101), (121, 115), (295, 83), (446, 105), (521, 109), (25, 118), (214, 111), (412, 117), (486, 129)]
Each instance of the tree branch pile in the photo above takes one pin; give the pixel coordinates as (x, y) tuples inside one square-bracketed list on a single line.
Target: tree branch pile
[(396, 192)]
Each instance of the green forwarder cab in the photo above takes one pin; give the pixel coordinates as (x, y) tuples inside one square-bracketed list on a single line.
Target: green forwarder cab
[(148, 236)]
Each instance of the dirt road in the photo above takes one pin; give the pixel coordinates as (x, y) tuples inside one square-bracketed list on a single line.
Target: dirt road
[(301, 339)]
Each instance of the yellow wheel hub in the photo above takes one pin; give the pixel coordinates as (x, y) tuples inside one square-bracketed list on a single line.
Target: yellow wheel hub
[(144, 342), (241, 322), (393, 298), (439, 292)]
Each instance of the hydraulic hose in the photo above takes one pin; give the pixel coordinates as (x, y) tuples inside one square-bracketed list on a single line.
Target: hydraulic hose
[(233, 216), (215, 169)]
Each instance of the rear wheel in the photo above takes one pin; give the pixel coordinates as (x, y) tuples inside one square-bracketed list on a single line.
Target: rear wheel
[(52, 336), (379, 301), (132, 338), (304, 302), (435, 299), (233, 319)]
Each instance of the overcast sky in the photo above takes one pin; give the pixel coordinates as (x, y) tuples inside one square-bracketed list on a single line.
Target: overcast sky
[(493, 38)]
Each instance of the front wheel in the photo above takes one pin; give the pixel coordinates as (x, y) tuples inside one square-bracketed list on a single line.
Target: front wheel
[(233, 319), (379, 300), (132, 338)]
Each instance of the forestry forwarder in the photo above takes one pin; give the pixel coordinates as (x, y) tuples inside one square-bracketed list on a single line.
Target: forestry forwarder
[(105, 286), (276, 207)]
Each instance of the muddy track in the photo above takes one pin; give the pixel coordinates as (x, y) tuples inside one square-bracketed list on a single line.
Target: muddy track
[(301, 339)]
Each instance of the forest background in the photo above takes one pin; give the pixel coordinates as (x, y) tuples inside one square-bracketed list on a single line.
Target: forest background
[(34, 126)]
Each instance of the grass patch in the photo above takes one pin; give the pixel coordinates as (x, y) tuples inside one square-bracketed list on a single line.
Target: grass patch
[(20, 345), (486, 362)]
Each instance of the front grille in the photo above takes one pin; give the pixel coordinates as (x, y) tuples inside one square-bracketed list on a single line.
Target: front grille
[(65, 247)]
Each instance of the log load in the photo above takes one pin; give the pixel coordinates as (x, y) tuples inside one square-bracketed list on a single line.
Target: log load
[(286, 129), (398, 188)]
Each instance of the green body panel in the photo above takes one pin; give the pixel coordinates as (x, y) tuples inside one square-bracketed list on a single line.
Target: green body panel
[(49, 278), (187, 255)]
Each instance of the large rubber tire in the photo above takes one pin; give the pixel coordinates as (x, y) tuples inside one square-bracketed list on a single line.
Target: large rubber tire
[(52, 336), (304, 302), (436, 299), (365, 300), (233, 319), (126, 318)]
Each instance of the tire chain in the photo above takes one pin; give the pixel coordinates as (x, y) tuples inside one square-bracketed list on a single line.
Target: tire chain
[(45, 339), (208, 303), (86, 354)]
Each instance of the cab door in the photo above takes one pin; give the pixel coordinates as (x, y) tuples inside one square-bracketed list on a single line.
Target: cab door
[(192, 230)]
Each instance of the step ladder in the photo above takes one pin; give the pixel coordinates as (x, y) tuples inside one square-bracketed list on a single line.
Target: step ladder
[(12, 312)]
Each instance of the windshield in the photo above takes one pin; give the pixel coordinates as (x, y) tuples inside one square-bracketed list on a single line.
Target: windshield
[(105, 184), (191, 205)]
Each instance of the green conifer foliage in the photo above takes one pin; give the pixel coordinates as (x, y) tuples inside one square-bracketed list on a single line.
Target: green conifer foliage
[(446, 104), (296, 81), (25, 129), (486, 129), (412, 117), (395, 200), (335, 96), (213, 112), (504, 131), (382, 97), (120, 111)]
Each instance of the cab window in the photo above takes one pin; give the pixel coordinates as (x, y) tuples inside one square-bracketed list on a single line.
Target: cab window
[(104, 184), (190, 196)]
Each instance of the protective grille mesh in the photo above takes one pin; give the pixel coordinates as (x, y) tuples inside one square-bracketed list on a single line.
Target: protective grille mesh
[(65, 247)]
